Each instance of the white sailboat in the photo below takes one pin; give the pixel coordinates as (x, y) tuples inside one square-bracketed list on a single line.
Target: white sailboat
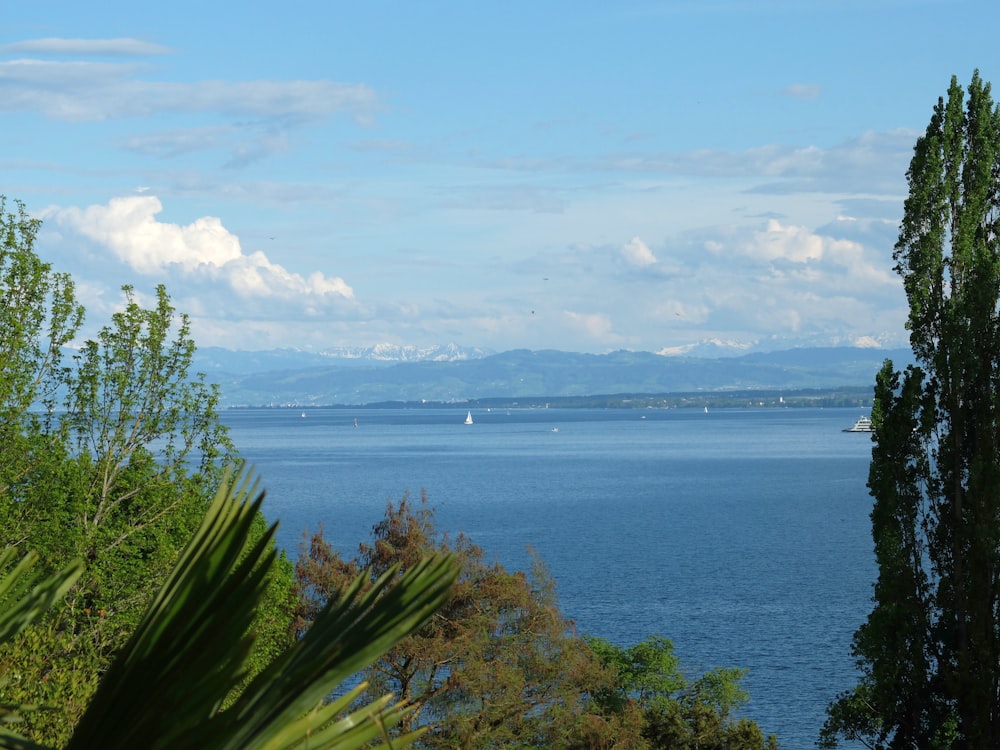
[(468, 418)]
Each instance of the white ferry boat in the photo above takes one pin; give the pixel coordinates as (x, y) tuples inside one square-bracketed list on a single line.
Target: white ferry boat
[(864, 424)]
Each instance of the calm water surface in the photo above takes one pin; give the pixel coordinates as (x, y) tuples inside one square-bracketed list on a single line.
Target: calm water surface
[(742, 535)]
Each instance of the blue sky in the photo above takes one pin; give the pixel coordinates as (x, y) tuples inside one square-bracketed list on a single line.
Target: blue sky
[(584, 176)]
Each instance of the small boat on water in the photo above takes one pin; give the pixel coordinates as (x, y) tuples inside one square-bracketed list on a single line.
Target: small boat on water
[(864, 424), (468, 418)]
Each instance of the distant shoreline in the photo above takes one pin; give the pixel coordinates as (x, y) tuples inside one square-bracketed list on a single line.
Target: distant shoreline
[(748, 399)]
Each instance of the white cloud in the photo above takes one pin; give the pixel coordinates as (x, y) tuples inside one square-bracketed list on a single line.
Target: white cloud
[(202, 251), (58, 46), (803, 90), (637, 253), (867, 342), (812, 256), (128, 226), (246, 142), (94, 91), (778, 280), (873, 163), (792, 243), (179, 141), (596, 327)]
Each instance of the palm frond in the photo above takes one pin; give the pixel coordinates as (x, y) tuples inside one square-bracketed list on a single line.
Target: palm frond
[(23, 597), (191, 647), (166, 687), (348, 635), (12, 741)]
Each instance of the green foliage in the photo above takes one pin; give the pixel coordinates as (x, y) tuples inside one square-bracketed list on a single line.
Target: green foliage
[(647, 672), (48, 674), (150, 445), (930, 649), (25, 596), (720, 689), (273, 625), (168, 686), (697, 726), (673, 711), (119, 479), (112, 460), (38, 316), (133, 388), (499, 666)]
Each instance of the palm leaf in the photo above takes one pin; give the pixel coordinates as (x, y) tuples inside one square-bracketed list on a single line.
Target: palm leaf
[(191, 646), (190, 651), (11, 741), (345, 637), (23, 597)]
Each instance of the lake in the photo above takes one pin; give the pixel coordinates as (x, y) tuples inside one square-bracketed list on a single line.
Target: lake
[(742, 534)]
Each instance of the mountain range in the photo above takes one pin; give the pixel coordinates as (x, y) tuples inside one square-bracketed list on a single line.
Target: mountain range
[(451, 374)]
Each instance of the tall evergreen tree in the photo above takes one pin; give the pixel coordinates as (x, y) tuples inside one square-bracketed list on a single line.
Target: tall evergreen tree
[(930, 649)]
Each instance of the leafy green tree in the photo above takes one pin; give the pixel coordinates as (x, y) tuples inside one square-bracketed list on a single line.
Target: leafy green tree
[(930, 649), (496, 665), (645, 673), (120, 478), (671, 711), (112, 460), (39, 316), (149, 446)]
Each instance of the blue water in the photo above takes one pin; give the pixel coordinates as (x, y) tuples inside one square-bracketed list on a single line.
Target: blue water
[(742, 535)]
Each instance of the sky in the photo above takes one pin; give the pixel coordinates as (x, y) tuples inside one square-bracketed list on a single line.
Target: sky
[(583, 176)]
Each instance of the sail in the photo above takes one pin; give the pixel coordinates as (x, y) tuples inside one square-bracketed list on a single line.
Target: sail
[(468, 418)]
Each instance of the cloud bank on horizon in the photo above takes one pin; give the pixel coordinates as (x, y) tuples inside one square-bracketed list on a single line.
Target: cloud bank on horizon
[(642, 175)]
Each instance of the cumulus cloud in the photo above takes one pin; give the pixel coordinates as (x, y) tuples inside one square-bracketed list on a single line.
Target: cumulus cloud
[(796, 244), (202, 251), (595, 326), (637, 253), (778, 280), (867, 342), (797, 250)]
